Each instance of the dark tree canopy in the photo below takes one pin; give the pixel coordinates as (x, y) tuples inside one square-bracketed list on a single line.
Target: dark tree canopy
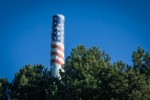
[(3, 89), (88, 75)]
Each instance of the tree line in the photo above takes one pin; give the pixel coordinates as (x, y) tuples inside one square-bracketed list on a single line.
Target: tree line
[(88, 75)]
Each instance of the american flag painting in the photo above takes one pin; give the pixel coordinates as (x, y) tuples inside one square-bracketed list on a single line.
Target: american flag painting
[(57, 44)]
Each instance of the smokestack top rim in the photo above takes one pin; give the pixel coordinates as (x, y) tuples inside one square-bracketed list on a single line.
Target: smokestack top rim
[(60, 15)]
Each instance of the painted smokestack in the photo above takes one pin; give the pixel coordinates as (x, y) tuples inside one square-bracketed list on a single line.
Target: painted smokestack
[(57, 44)]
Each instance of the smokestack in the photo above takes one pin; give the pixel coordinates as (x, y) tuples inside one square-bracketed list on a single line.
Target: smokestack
[(57, 44)]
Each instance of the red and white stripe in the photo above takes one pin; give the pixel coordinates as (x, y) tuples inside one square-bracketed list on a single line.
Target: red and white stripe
[(57, 53)]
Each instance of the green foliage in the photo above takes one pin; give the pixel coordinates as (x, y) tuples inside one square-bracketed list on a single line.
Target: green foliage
[(4, 89), (33, 82), (88, 75), (141, 61), (82, 69)]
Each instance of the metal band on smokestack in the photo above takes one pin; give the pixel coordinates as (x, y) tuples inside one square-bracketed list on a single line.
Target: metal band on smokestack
[(57, 44)]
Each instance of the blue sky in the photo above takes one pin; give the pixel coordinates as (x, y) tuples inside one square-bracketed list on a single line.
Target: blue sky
[(116, 26)]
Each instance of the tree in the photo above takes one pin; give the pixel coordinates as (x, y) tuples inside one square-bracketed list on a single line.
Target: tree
[(141, 61), (33, 83), (4, 89), (88, 75), (82, 69)]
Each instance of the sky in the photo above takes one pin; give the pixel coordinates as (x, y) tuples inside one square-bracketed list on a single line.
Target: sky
[(116, 26)]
